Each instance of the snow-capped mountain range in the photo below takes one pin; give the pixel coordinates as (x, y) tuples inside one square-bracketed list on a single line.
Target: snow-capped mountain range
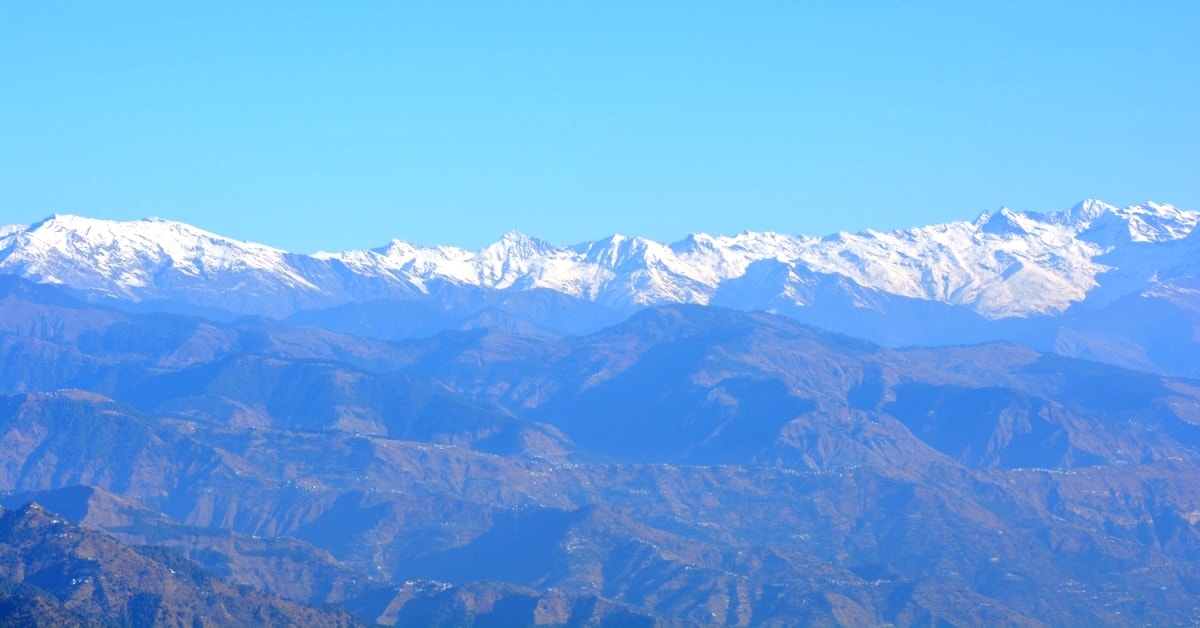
[(1001, 265)]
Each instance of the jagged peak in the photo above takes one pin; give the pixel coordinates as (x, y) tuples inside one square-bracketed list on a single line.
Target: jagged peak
[(514, 236), (613, 250), (1093, 206), (518, 238), (1007, 222), (694, 242), (61, 220), (127, 259), (1148, 222), (1080, 215), (616, 238), (395, 245), (515, 243), (11, 229), (1164, 210)]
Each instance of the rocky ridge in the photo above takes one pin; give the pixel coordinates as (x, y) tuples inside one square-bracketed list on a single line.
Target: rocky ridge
[(1007, 264)]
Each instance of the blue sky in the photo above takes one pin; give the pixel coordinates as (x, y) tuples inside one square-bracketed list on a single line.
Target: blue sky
[(316, 126)]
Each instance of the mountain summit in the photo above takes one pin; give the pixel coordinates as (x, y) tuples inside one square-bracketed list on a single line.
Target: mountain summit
[(1002, 265)]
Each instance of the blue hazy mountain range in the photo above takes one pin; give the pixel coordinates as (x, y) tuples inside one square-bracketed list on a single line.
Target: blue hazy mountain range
[(1073, 281), (745, 430)]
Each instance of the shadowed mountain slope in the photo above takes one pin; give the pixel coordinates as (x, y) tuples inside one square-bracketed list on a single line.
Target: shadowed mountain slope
[(688, 466), (63, 572)]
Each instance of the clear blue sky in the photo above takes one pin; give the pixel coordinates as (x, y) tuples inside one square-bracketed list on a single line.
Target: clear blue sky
[(317, 126)]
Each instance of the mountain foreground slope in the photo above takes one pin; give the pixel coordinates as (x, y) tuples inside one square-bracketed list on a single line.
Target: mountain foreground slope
[(688, 466), (55, 573)]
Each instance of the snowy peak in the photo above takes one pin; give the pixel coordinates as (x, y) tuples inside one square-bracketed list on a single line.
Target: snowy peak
[(610, 252), (1149, 222), (127, 259), (694, 243), (158, 238), (516, 245), (1006, 222), (1002, 264), (1081, 215), (1096, 221), (401, 252), (1153, 222), (8, 231)]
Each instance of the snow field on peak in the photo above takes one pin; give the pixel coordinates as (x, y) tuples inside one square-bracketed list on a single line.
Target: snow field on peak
[(1000, 265), (8, 230), (124, 259)]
